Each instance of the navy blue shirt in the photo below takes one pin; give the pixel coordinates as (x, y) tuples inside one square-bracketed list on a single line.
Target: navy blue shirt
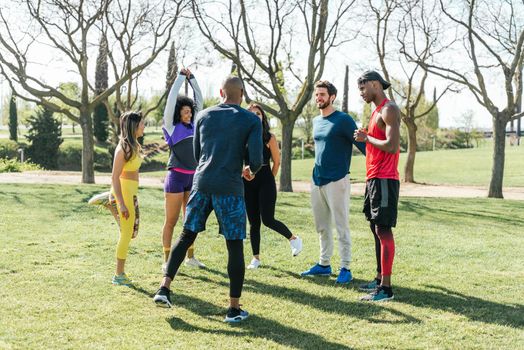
[(334, 142), (221, 135)]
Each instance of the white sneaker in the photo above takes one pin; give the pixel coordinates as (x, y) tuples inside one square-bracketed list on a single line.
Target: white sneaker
[(193, 262), (164, 268), (254, 264), (100, 199), (296, 246)]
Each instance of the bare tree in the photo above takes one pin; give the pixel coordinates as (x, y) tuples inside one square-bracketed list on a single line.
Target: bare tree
[(492, 39), (418, 31), (128, 24), (66, 28), (263, 38)]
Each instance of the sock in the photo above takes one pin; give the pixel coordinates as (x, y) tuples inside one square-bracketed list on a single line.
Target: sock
[(167, 250)]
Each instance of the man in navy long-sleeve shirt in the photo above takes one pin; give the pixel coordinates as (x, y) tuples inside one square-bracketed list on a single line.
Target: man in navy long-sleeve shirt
[(333, 134), (222, 134)]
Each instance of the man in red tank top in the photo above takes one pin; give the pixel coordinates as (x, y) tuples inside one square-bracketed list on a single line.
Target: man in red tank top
[(382, 181)]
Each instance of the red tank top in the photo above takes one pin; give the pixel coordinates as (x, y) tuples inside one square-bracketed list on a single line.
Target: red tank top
[(380, 164)]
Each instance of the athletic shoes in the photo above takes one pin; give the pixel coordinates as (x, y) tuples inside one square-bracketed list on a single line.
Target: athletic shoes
[(370, 286), (100, 199), (235, 315), (317, 270), (193, 262), (121, 280), (162, 298), (380, 294), (254, 264), (296, 246), (344, 276)]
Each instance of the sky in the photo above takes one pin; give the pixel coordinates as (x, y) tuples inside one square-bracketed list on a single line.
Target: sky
[(50, 68)]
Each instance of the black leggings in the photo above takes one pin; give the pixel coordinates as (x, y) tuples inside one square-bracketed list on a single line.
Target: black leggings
[(261, 196), (235, 264)]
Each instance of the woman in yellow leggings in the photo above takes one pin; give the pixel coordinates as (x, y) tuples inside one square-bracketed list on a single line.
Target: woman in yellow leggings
[(124, 187)]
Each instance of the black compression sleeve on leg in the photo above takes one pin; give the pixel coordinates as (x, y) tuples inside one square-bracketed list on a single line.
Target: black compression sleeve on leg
[(377, 245), (178, 252), (235, 267)]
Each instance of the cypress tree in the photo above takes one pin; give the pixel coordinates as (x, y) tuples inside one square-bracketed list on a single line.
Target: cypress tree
[(172, 68), (100, 114), (13, 119)]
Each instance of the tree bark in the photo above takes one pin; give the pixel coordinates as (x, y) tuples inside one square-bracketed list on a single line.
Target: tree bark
[(88, 150), (287, 143), (499, 145), (409, 167)]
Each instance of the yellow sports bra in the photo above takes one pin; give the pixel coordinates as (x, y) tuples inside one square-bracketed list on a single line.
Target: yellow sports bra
[(133, 164)]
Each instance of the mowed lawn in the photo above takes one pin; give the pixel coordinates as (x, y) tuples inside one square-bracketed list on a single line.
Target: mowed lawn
[(458, 280), (455, 167)]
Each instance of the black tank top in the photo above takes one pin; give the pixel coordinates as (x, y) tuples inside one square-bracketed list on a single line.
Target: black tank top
[(266, 155)]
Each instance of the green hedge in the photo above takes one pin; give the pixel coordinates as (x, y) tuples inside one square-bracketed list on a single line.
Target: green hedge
[(14, 166), (9, 148), (70, 158)]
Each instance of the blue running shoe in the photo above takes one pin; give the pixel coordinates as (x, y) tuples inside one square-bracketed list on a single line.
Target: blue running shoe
[(370, 286), (344, 276), (121, 280), (317, 270), (380, 294), (235, 315)]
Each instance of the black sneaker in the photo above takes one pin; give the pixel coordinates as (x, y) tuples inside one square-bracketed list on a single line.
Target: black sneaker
[(162, 298), (235, 315), (380, 294), (370, 286)]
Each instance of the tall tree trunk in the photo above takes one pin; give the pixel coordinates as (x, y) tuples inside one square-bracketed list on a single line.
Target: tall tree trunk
[(346, 92), (409, 168), (287, 143), (88, 150), (499, 145), (518, 131)]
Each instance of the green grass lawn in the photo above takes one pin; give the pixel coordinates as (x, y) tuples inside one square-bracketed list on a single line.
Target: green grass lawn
[(458, 279), (458, 167)]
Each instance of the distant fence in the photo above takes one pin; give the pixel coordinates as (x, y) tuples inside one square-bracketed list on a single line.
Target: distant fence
[(489, 134)]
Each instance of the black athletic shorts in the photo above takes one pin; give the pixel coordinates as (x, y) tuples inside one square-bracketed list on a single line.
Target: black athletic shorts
[(381, 201)]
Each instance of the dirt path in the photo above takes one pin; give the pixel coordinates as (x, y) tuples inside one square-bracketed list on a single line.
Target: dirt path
[(410, 190)]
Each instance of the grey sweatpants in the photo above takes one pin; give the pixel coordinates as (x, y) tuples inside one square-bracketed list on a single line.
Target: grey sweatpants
[(330, 204)]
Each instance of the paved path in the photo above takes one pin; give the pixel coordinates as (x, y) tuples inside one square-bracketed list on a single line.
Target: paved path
[(410, 190)]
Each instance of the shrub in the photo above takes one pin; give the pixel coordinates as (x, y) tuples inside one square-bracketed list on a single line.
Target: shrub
[(296, 151), (70, 158), (45, 136), (14, 166), (8, 149)]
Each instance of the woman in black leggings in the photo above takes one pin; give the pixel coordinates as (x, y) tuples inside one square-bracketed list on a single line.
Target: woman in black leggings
[(260, 194)]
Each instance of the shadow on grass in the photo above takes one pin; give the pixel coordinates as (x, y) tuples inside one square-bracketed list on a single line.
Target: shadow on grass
[(254, 327), (139, 289), (472, 307), (329, 304), (457, 215), (440, 298)]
